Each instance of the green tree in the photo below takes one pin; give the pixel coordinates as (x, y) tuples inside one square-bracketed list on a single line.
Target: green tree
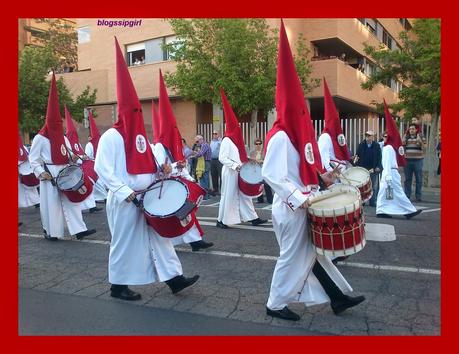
[(239, 55), (62, 38), (417, 65), (34, 66)]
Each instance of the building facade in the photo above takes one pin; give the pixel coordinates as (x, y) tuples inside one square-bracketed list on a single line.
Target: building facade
[(336, 53)]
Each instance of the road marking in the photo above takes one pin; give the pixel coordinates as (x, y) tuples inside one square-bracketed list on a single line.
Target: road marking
[(430, 210), (272, 258)]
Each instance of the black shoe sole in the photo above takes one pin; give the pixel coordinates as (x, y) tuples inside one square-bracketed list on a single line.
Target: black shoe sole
[(175, 291), (277, 315), (133, 298)]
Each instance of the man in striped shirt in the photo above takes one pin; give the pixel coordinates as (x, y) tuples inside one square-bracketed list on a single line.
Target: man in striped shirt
[(414, 144)]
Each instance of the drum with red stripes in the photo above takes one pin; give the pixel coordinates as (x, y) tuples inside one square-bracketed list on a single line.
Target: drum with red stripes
[(169, 205), (337, 223), (74, 183), (250, 180)]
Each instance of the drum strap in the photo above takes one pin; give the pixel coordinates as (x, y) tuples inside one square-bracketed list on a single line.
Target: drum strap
[(45, 166)]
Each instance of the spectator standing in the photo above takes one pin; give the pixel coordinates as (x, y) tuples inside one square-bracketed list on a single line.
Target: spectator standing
[(414, 144), (369, 156), (205, 152), (215, 164)]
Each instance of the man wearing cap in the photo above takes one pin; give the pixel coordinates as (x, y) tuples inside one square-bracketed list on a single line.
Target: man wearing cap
[(49, 154), (215, 164), (125, 162), (291, 168), (235, 207), (391, 197), (369, 156)]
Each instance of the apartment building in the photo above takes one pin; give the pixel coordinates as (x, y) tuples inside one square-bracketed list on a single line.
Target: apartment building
[(336, 50)]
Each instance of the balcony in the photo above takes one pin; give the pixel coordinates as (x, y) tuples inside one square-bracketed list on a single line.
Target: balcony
[(344, 83)]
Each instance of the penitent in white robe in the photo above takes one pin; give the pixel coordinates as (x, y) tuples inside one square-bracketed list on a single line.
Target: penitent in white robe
[(293, 280), (27, 196), (138, 255), (54, 205), (327, 153), (159, 151), (235, 207), (99, 191), (400, 205)]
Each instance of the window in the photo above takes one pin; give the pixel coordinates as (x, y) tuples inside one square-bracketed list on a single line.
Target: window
[(136, 54), (154, 51), (371, 25), (387, 39), (84, 35), (170, 40)]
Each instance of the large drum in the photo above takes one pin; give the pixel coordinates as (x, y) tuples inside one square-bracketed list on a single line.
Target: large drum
[(88, 170), (359, 177), (26, 176), (74, 183), (250, 180), (169, 204), (337, 223)]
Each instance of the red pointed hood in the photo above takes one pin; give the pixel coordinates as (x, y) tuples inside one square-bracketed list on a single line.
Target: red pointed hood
[(72, 134), (155, 122), (292, 114), (232, 128), (130, 124), (393, 137), (333, 126), (169, 134), (53, 128), (94, 133), (22, 152)]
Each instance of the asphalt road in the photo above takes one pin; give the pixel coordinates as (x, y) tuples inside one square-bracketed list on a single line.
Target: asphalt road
[(63, 287)]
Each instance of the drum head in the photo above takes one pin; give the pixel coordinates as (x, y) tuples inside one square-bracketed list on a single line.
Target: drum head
[(346, 201), (69, 177), (357, 176), (251, 173), (173, 195)]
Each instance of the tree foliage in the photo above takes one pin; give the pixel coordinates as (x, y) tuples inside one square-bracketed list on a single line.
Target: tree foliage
[(62, 39), (416, 64), (34, 66), (238, 55)]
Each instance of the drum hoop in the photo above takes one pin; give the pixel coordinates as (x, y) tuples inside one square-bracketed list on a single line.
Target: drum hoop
[(75, 187), (159, 181), (240, 175), (338, 211)]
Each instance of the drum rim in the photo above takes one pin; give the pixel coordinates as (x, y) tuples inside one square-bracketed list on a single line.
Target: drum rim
[(159, 181), (343, 210), (76, 167), (246, 164)]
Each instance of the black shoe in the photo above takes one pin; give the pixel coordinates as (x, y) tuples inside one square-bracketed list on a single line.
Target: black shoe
[(417, 212), (49, 238), (179, 283), (345, 303), (95, 209), (258, 221), (83, 234), (37, 205), (386, 216), (125, 294), (222, 225), (19, 224), (198, 245), (285, 314), (101, 201), (339, 259)]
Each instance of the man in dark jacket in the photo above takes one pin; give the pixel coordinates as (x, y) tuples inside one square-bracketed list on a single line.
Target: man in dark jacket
[(369, 156)]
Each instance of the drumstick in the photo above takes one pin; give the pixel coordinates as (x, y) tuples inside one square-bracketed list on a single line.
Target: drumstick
[(324, 196), (162, 181)]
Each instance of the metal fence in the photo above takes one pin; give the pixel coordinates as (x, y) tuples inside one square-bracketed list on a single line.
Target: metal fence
[(354, 129)]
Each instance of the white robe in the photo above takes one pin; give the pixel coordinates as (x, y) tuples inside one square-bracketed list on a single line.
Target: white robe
[(235, 207), (192, 234), (400, 205), (327, 152), (293, 280), (99, 192), (54, 205), (138, 255), (27, 196)]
